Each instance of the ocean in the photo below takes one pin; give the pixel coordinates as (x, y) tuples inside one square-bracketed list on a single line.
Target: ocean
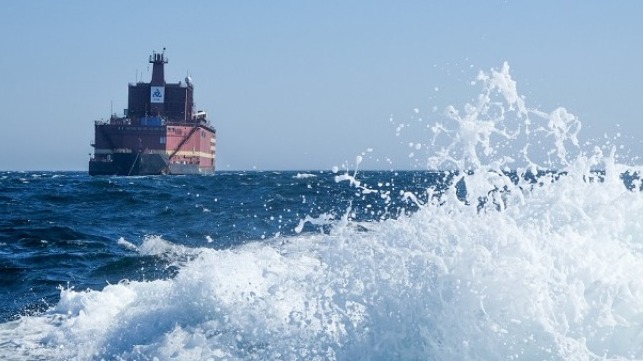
[(526, 245)]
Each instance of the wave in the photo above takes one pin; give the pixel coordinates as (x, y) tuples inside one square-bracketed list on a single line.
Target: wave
[(304, 175), (561, 281)]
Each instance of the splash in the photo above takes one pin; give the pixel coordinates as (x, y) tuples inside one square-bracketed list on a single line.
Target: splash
[(539, 259)]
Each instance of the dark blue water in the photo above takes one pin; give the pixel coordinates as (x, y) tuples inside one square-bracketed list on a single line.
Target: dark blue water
[(63, 228)]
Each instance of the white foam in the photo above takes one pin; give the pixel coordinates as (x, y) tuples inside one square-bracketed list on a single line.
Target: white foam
[(156, 245), (304, 175), (324, 219), (127, 245), (555, 279)]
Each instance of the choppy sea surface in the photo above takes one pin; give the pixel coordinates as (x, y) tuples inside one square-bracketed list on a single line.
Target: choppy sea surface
[(72, 230), (526, 245)]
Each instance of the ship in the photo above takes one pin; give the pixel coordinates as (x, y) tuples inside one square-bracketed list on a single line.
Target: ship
[(160, 132)]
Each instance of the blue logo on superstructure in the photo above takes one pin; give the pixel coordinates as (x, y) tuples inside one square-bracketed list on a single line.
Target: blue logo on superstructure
[(156, 94)]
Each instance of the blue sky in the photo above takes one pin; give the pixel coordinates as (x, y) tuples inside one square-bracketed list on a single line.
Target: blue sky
[(309, 85)]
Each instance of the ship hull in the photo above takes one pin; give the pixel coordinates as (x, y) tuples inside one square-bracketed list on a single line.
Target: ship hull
[(135, 164)]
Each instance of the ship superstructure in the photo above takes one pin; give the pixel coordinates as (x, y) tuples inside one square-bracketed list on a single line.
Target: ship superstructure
[(159, 133)]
